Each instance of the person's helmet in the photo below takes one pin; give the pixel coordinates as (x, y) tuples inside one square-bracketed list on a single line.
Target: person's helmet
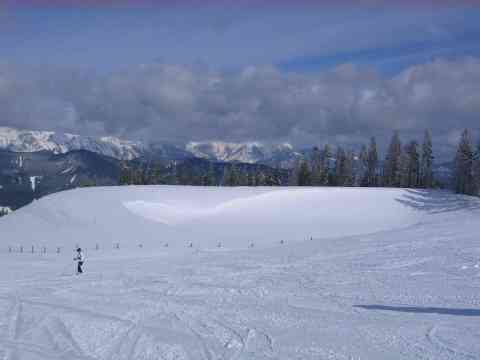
[(79, 249)]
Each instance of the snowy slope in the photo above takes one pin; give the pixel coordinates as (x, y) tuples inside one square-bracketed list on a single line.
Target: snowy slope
[(208, 215), (32, 141), (389, 274)]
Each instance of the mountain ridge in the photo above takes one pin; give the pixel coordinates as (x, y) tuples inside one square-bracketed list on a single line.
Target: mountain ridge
[(277, 155), (27, 141)]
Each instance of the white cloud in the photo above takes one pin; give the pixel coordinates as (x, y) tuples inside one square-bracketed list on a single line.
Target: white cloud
[(181, 104)]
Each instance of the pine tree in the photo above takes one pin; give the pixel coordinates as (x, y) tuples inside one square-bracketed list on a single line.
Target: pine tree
[(326, 157), (271, 179), (476, 170), (278, 178), (392, 160), (413, 167), (210, 176), (362, 174), (349, 169), (293, 174), (372, 163), (464, 164), (409, 168), (256, 177), (426, 164), (261, 179), (242, 177), (339, 173), (234, 175), (317, 168), (227, 176), (174, 173), (304, 176), (403, 168), (125, 174), (155, 176), (185, 175), (251, 178)]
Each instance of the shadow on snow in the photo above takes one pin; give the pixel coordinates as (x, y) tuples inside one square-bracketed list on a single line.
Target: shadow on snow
[(438, 201), (422, 310)]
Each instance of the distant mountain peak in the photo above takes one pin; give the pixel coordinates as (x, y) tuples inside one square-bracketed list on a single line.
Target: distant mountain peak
[(247, 152), (252, 152), (60, 143)]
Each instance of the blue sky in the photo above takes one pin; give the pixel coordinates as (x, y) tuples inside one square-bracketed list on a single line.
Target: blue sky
[(301, 38)]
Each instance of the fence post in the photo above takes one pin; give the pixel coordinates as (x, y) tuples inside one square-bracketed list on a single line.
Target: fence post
[(33, 249), (21, 248), (44, 249), (191, 245), (117, 246), (9, 249)]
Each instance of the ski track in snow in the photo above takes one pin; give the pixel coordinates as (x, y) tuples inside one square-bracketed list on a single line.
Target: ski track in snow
[(398, 294)]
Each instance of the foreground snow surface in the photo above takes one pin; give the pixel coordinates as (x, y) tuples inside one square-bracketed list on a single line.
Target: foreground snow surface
[(258, 273)]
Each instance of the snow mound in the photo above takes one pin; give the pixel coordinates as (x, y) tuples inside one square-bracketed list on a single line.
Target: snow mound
[(236, 217)]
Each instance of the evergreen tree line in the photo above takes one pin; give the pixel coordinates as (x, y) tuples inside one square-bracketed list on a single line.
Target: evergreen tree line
[(466, 178), (406, 165), (201, 173), (234, 176)]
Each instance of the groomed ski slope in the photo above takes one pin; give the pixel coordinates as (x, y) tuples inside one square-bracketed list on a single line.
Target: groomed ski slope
[(205, 216), (242, 273)]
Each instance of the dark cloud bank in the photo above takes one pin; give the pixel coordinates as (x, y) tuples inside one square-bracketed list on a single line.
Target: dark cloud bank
[(179, 104)]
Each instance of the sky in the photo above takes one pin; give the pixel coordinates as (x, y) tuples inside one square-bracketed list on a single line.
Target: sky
[(301, 71)]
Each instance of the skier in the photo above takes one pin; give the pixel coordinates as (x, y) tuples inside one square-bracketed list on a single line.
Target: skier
[(80, 259)]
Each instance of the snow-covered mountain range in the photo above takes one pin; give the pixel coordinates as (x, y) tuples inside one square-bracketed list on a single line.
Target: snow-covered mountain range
[(60, 143), (250, 152), (16, 140)]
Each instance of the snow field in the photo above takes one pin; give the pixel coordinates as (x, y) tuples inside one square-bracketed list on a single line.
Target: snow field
[(234, 217), (402, 282)]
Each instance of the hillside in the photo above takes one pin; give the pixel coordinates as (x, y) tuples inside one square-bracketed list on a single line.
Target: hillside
[(206, 215), (334, 273), (28, 176)]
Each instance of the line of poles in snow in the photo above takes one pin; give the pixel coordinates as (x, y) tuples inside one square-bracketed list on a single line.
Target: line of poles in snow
[(219, 244), (116, 246), (43, 249)]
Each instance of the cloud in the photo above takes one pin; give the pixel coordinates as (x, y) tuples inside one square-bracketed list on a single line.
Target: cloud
[(175, 103)]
